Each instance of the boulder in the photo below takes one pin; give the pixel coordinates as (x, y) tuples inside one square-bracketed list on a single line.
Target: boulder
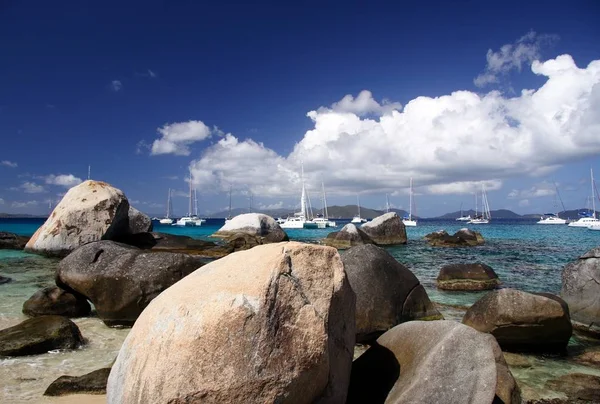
[(263, 227), (590, 355), (4, 279), (348, 236), (55, 301), (462, 238), (271, 324), (522, 321), (90, 383), (433, 362), (90, 211), (39, 335), (387, 293), (467, 277), (578, 387), (11, 241), (581, 290), (138, 222), (387, 229), (121, 280)]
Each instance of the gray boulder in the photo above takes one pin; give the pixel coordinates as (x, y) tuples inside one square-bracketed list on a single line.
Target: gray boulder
[(387, 229), (433, 362), (138, 222), (578, 387), (521, 321), (348, 236), (581, 290), (90, 383), (462, 238), (39, 335), (55, 301), (467, 277), (4, 279), (121, 280), (387, 293), (264, 228), (11, 241)]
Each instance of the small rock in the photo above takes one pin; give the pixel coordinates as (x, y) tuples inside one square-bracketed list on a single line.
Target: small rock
[(462, 238), (4, 279), (577, 386), (517, 360), (55, 301), (11, 241), (467, 277), (90, 383), (348, 236), (387, 229), (589, 356)]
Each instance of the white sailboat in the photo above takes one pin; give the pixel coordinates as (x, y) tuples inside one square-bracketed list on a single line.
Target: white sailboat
[(485, 216), (229, 217), (300, 219), (462, 217), (192, 218), (408, 221), (589, 219), (322, 221), (167, 219), (357, 218), (553, 218)]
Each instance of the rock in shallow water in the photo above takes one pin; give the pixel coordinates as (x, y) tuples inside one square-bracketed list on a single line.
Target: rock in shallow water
[(90, 383), (11, 241), (348, 236), (39, 335), (271, 324), (387, 229), (263, 227), (4, 279), (462, 238), (577, 386), (467, 277), (56, 301)]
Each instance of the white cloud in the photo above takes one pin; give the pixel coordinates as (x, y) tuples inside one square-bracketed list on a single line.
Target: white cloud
[(116, 85), (272, 206), (7, 163), (447, 144), (538, 190), (512, 57), (177, 137), (463, 187), (31, 188), (523, 203), (1, 201), (363, 104), (63, 180), (25, 204), (152, 74)]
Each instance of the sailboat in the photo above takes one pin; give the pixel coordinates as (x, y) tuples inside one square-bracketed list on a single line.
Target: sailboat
[(357, 218), (322, 220), (485, 216), (192, 218), (589, 219), (553, 218), (462, 217), (229, 217), (408, 220), (167, 219), (300, 219)]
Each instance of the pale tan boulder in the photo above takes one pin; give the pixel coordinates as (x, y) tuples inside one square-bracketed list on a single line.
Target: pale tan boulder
[(90, 211), (274, 324), (261, 227)]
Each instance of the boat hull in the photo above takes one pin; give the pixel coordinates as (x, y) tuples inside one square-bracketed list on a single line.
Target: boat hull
[(410, 223)]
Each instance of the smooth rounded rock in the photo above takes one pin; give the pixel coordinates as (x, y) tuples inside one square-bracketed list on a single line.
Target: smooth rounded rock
[(12, 241), (467, 277), (56, 301), (264, 227), (138, 222), (273, 324), (462, 238), (387, 229), (348, 236), (90, 383)]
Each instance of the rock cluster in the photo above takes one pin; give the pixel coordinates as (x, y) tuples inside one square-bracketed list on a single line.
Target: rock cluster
[(467, 277), (386, 229), (264, 229), (348, 236), (462, 238), (56, 301), (11, 241)]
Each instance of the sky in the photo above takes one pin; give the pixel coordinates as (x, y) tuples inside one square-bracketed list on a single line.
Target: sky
[(364, 96)]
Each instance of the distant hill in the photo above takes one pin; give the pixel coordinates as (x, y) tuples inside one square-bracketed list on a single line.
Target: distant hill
[(496, 214), (20, 215), (335, 212)]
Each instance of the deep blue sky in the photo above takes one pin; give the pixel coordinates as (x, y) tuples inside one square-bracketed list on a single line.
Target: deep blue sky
[(252, 70)]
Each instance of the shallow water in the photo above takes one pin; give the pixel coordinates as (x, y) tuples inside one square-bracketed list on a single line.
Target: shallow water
[(525, 256)]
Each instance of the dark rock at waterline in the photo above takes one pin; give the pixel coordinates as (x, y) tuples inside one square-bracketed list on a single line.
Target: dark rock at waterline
[(521, 321), (121, 280), (11, 241), (387, 229), (175, 243), (467, 277), (387, 293), (90, 383), (581, 290), (56, 301), (4, 279), (39, 335), (138, 222), (432, 362), (348, 236), (462, 238), (577, 387)]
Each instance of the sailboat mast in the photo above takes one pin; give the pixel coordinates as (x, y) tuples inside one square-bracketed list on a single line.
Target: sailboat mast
[(387, 204), (190, 210), (410, 201), (195, 202), (303, 208), (475, 204), (358, 204), (168, 203), (593, 194), (324, 201), (230, 201)]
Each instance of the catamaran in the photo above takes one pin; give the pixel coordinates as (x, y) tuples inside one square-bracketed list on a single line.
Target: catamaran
[(485, 216), (192, 218), (462, 217), (322, 221), (553, 218), (357, 218), (167, 219), (408, 220), (589, 219), (300, 219)]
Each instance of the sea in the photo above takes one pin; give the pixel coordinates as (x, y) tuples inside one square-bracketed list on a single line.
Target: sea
[(525, 256)]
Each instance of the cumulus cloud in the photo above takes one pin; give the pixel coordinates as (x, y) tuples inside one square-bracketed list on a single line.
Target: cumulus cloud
[(523, 203), (177, 137), (363, 104), (63, 180), (448, 144), (512, 57), (32, 188), (538, 190), (25, 204), (8, 163), (116, 85), (272, 206)]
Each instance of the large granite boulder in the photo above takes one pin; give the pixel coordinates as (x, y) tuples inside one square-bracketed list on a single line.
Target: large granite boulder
[(467, 277), (11, 241), (581, 290), (462, 238), (522, 321), (263, 227), (90, 383), (176, 243), (55, 301), (138, 222), (348, 236), (433, 362), (39, 335), (387, 293), (271, 324), (121, 280), (90, 211), (387, 229)]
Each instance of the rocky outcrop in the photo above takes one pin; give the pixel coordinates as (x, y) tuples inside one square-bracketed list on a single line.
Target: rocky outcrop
[(121, 280), (55, 301), (581, 290), (578, 387), (271, 324), (90, 211), (467, 277), (522, 321), (386, 229), (349, 236), (90, 383), (39, 335), (462, 238), (4, 279), (387, 293), (138, 222), (433, 362), (263, 227), (175, 243), (11, 241)]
